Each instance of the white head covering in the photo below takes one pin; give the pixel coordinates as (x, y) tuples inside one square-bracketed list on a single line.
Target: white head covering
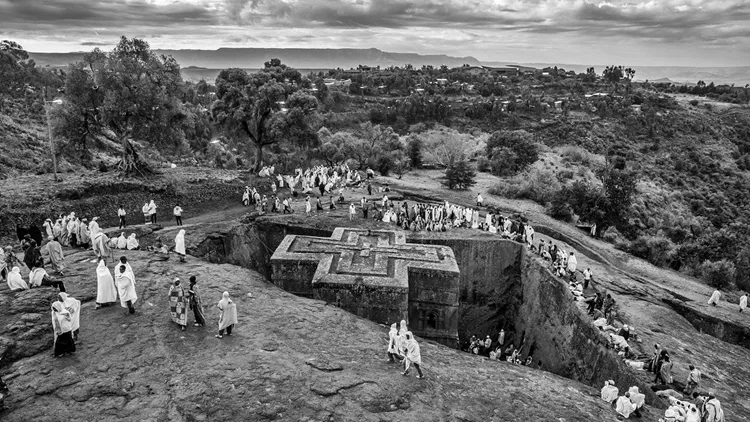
[(15, 281)]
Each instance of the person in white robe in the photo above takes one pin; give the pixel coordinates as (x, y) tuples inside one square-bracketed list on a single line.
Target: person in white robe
[(94, 228), (636, 397), (179, 245), (413, 355), (48, 227), (714, 300), (392, 340), (122, 241), (624, 406), (101, 246), (572, 265), (62, 324), (227, 315), (401, 340), (56, 256), (609, 392), (73, 306), (152, 211), (146, 216), (106, 292), (15, 281), (126, 288), (36, 277), (743, 302), (84, 237), (132, 243)]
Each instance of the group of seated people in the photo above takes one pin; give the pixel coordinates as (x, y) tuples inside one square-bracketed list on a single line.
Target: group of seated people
[(122, 242), (629, 403)]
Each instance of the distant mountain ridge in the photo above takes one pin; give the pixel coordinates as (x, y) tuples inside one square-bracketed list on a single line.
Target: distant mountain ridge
[(327, 58), (303, 58)]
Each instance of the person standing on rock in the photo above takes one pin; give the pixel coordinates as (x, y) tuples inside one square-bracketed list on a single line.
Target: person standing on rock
[(178, 214), (480, 200), (352, 211), (73, 306), (84, 237), (714, 300), (694, 379), (101, 245), (178, 304), (62, 323), (179, 245), (121, 215), (227, 315), (195, 303), (413, 355), (56, 256), (308, 206), (572, 266), (106, 292), (713, 410), (146, 215), (392, 341), (743, 302), (126, 287), (152, 211)]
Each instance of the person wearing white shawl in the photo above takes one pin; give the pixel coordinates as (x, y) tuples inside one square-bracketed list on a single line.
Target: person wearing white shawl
[(401, 340), (624, 406), (179, 245), (106, 292), (572, 265), (84, 238), (743, 302), (62, 323), (413, 356), (714, 300), (227, 315), (101, 247), (126, 288), (48, 227), (152, 211), (609, 391), (146, 216), (392, 340), (122, 241), (15, 281), (636, 397), (132, 243), (94, 228), (73, 306), (56, 256)]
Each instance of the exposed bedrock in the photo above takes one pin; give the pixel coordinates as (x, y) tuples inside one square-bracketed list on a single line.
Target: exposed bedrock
[(500, 287)]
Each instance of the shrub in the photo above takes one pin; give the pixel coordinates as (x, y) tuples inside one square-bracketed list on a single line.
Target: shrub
[(657, 250), (573, 154), (694, 103), (483, 164), (520, 143), (742, 276), (415, 152), (719, 274), (503, 162), (459, 175)]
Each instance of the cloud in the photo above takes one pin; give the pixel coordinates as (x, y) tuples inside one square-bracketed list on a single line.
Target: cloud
[(460, 27)]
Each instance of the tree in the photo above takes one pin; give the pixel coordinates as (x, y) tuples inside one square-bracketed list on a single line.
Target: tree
[(459, 175), (415, 152), (374, 141), (516, 148), (128, 94), (253, 106), (719, 274)]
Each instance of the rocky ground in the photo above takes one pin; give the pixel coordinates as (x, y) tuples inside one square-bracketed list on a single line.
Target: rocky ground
[(298, 359), (290, 359)]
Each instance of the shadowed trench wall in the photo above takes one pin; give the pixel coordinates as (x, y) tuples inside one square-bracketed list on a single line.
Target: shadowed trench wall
[(501, 286)]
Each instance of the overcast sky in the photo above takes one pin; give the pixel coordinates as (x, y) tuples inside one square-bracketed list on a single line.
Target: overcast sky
[(628, 32)]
